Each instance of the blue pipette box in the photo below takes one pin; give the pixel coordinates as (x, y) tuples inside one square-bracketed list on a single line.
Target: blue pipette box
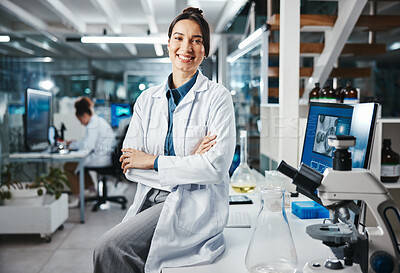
[(309, 210)]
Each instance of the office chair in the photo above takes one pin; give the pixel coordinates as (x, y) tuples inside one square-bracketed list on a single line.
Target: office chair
[(103, 173)]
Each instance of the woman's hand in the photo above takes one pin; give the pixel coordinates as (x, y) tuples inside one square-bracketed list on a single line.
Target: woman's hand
[(206, 144), (135, 159)]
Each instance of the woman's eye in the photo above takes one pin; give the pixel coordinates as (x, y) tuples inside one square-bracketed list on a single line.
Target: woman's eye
[(178, 38), (197, 41)]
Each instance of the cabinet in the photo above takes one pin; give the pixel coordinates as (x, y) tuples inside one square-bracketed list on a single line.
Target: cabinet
[(35, 219), (244, 83), (385, 128)]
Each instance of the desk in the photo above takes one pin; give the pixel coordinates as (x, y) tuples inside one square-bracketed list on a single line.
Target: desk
[(76, 156), (238, 239)]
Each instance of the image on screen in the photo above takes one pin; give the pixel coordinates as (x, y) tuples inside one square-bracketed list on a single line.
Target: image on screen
[(16, 109), (37, 117), (120, 111), (325, 119), (326, 126)]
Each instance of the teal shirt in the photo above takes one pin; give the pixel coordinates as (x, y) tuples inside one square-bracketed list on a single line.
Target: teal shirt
[(174, 96)]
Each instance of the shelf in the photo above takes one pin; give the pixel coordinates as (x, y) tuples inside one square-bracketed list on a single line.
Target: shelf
[(340, 72), (314, 49), (389, 120), (395, 185), (320, 22)]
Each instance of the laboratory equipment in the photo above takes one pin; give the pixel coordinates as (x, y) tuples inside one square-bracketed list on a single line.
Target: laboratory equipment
[(326, 119), (37, 119), (358, 247), (243, 179), (271, 248)]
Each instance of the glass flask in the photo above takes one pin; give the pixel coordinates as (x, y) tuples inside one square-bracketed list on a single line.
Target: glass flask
[(243, 179), (271, 249)]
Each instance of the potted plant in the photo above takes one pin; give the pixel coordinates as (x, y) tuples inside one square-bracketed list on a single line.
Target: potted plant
[(55, 182), (14, 192)]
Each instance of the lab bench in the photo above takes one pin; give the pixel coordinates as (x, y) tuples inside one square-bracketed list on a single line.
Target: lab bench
[(238, 239)]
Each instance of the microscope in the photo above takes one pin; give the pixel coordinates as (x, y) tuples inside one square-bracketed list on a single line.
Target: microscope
[(347, 192)]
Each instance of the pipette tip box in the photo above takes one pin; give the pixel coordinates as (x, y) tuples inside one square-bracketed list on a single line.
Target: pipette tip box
[(309, 210)]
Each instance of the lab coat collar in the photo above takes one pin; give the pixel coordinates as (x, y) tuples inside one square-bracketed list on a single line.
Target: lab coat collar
[(200, 86)]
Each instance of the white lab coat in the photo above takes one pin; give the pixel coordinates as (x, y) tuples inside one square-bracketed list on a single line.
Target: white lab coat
[(189, 230), (99, 140)]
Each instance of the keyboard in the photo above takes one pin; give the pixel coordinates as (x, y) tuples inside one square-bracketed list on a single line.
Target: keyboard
[(238, 219)]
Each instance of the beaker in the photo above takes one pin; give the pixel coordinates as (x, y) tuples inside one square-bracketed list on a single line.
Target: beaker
[(271, 249)]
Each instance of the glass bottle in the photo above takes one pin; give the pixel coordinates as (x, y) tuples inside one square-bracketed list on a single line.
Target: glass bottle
[(243, 179), (338, 94), (327, 95), (271, 248), (349, 94), (390, 167), (314, 93)]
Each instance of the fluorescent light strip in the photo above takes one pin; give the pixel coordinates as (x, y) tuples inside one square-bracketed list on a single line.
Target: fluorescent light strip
[(4, 38), (240, 52), (124, 40), (251, 38), (394, 46), (159, 50)]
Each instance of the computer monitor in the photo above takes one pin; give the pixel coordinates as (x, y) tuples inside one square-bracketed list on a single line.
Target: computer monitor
[(16, 109), (120, 111), (37, 119), (326, 119)]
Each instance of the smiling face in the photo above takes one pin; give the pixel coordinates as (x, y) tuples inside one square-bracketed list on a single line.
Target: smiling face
[(185, 47)]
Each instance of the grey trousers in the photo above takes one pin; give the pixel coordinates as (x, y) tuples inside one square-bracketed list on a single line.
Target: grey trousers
[(125, 247)]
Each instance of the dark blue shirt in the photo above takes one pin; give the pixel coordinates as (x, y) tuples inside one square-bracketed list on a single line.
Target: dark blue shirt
[(174, 96)]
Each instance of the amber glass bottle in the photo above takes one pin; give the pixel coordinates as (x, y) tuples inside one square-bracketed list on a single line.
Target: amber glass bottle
[(390, 167), (349, 94), (314, 93), (327, 95), (338, 94)]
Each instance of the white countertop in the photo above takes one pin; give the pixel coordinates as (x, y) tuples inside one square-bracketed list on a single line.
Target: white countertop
[(238, 239)]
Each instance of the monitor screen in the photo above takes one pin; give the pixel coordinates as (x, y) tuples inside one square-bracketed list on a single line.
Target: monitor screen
[(37, 118), (326, 119), (16, 109), (120, 111)]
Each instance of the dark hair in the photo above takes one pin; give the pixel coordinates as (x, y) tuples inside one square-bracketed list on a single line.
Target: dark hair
[(196, 15), (83, 105)]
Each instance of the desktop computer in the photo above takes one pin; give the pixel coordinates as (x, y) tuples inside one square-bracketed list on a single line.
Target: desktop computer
[(326, 119), (37, 119)]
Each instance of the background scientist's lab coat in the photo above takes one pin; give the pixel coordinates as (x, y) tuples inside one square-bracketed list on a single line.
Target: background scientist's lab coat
[(189, 230), (99, 140)]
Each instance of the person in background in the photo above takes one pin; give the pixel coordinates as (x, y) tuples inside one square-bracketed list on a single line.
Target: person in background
[(178, 148), (98, 140)]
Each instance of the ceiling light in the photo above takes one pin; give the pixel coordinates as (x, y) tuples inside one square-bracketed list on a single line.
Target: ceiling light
[(159, 50), (254, 36), (124, 40), (394, 46), (46, 84), (4, 38)]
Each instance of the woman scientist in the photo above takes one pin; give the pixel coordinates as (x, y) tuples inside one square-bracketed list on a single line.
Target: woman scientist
[(98, 141), (181, 203)]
